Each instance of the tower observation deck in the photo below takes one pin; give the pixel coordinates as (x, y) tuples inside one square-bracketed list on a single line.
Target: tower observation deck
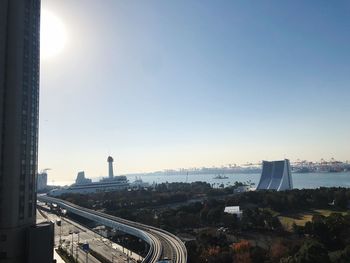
[(110, 167)]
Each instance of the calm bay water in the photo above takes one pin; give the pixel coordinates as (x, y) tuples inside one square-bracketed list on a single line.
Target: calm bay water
[(305, 180)]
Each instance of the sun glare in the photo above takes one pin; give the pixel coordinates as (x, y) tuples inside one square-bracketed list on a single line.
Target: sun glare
[(53, 35)]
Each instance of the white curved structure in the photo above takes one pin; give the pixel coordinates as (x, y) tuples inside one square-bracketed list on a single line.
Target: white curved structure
[(162, 243), (276, 175)]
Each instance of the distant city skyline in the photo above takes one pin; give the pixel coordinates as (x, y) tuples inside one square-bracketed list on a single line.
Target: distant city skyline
[(163, 85), (245, 165)]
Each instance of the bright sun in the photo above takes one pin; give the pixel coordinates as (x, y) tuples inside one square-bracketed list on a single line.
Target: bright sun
[(53, 35)]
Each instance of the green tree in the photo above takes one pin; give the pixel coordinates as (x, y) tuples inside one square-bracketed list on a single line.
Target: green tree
[(341, 200), (312, 251)]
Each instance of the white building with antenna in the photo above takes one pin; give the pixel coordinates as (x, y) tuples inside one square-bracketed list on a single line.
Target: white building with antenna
[(85, 185)]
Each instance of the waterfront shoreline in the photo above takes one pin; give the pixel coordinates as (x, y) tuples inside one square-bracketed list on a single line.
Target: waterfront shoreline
[(300, 180)]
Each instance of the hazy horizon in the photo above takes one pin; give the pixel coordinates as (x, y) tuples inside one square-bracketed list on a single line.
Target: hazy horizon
[(164, 85)]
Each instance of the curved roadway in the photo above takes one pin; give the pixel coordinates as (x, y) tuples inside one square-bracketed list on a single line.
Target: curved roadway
[(163, 245)]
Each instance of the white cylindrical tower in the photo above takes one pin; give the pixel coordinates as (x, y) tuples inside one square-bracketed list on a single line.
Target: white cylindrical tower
[(110, 166)]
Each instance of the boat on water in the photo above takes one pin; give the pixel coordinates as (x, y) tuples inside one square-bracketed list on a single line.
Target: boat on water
[(336, 169), (302, 170), (220, 176)]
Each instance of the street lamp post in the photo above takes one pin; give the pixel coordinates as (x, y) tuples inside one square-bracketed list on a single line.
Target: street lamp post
[(111, 243), (60, 233), (71, 232), (76, 251), (112, 251)]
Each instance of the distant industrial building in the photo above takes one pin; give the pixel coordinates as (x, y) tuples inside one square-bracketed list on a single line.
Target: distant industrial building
[(19, 113), (233, 210), (242, 189), (138, 183), (81, 179), (276, 175), (41, 182)]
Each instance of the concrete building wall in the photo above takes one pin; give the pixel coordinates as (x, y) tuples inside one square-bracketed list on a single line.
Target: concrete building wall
[(266, 175), (276, 176), (40, 240), (286, 182)]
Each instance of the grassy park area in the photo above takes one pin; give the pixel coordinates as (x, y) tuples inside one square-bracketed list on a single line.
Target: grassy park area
[(300, 218)]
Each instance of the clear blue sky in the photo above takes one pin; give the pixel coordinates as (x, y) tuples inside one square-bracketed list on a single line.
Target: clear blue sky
[(170, 84)]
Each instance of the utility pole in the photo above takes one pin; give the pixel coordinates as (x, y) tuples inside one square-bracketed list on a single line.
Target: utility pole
[(60, 232), (72, 245), (112, 251), (76, 251), (86, 249)]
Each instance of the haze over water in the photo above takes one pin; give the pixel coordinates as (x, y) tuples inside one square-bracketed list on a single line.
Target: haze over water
[(300, 180)]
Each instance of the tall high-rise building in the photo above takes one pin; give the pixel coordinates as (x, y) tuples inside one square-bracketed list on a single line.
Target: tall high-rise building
[(19, 99), (41, 182)]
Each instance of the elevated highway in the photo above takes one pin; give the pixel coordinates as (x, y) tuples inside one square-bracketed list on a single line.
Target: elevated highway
[(163, 245)]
